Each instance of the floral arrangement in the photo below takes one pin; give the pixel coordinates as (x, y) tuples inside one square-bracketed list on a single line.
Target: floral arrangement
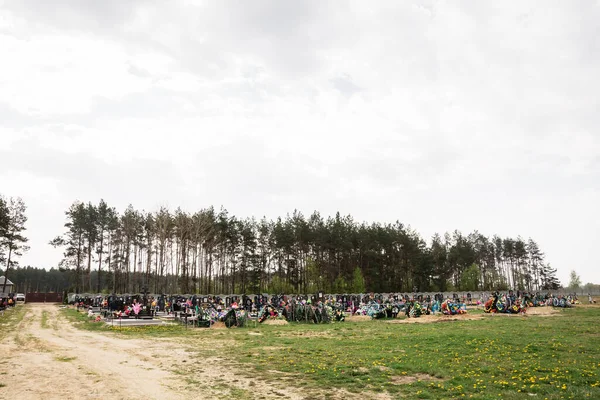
[(450, 308)]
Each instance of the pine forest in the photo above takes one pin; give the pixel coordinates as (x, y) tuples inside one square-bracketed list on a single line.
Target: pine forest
[(213, 252)]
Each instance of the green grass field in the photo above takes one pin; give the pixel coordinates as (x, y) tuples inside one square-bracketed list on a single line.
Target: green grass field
[(509, 357)]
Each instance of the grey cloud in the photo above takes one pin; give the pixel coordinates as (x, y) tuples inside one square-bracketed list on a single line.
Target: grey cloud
[(251, 181), (281, 34), (87, 15), (345, 85), (243, 166), (136, 105), (410, 167), (86, 176), (274, 18), (284, 34), (109, 19), (139, 72), (11, 118)]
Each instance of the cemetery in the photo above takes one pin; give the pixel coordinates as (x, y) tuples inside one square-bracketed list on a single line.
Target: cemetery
[(204, 311)]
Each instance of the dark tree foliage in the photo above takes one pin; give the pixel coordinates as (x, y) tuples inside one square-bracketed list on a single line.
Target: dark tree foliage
[(29, 279), (212, 251)]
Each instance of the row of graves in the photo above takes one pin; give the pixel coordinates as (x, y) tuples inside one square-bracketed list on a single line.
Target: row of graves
[(318, 308), (518, 302), (122, 310), (238, 310)]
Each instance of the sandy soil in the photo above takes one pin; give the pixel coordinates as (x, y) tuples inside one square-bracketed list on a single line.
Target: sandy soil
[(61, 362), (428, 319), (358, 318), (542, 311)]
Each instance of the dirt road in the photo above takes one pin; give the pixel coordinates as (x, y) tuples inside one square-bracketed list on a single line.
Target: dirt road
[(45, 357)]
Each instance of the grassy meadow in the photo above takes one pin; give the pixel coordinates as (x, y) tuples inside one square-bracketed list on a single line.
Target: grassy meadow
[(511, 357)]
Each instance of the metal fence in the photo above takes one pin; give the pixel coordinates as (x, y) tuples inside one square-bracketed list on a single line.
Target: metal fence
[(44, 297), (473, 295)]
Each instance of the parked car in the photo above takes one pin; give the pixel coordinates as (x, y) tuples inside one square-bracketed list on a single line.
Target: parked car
[(20, 298)]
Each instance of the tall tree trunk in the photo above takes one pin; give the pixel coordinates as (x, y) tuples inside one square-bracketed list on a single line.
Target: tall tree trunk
[(89, 267), (161, 261), (195, 266), (98, 285), (134, 280), (78, 268), (209, 275), (148, 265)]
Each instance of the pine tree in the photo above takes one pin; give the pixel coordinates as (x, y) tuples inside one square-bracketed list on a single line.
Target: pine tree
[(574, 280), (12, 226), (358, 281), (90, 226), (105, 220), (4, 220), (73, 240)]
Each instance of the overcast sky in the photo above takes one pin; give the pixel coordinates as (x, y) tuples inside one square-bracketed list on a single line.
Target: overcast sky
[(441, 114)]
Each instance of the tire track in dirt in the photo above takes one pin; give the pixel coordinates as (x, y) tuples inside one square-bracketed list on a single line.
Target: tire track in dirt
[(68, 364), (62, 362)]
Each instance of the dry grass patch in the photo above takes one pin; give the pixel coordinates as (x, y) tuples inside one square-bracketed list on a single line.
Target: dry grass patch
[(358, 318), (273, 348), (407, 379), (275, 322)]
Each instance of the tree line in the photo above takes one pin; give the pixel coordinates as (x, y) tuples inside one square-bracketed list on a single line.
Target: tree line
[(30, 279), (211, 251)]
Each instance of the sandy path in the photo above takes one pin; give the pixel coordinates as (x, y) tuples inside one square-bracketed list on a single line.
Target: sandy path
[(59, 361)]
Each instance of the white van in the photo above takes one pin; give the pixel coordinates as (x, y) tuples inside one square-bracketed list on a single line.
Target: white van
[(20, 298)]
